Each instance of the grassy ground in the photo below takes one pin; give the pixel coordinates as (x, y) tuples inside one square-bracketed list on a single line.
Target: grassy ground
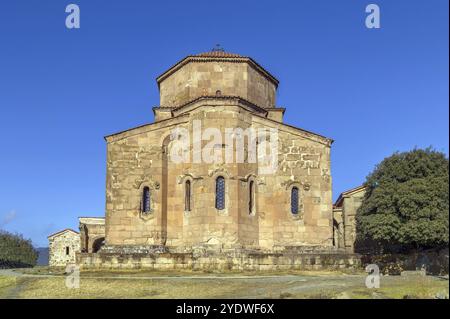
[(6, 284), (148, 284)]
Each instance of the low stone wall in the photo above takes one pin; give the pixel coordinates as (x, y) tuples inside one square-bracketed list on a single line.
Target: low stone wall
[(219, 261)]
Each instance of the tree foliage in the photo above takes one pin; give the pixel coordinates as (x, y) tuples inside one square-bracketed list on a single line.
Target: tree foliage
[(15, 251), (406, 205)]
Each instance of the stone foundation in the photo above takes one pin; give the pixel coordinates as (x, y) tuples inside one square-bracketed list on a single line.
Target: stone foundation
[(203, 258)]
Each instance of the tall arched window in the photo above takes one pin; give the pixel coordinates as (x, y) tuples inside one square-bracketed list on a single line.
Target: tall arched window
[(294, 200), (251, 197), (146, 200), (187, 196), (220, 192)]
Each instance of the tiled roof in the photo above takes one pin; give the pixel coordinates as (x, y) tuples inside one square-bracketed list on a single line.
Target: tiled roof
[(219, 54)]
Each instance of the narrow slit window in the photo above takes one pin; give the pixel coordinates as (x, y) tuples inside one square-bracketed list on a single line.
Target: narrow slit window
[(67, 250), (187, 199), (294, 200), (146, 200), (220, 193), (251, 197)]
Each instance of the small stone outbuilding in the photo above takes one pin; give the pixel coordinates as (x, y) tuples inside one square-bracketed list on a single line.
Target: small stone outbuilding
[(63, 247)]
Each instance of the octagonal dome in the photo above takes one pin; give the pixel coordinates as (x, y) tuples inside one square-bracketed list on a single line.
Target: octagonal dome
[(217, 73)]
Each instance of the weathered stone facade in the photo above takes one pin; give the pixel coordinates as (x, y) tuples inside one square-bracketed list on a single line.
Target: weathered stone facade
[(152, 222), (63, 246)]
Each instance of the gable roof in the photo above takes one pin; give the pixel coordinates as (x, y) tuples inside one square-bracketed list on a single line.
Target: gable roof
[(63, 231), (347, 193), (238, 101)]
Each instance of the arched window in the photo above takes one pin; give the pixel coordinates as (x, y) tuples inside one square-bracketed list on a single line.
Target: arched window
[(146, 200), (187, 196), (251, 197), (220, 192), (294, 200)]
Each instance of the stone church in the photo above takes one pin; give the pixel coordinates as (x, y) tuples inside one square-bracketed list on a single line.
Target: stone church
[(163, 213)]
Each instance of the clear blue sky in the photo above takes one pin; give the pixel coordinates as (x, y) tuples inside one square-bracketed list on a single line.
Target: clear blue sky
[(373, 91)]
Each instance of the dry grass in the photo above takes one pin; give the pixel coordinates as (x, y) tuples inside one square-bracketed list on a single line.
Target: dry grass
[(121, 288), (6, 283), (397, 287), (305, 285)]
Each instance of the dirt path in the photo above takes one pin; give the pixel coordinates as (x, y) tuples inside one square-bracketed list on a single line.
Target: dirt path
[(9, 273), (17, 273), (21, 285)]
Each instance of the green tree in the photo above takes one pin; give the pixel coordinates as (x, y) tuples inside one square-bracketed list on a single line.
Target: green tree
[(15, 251), (406, 205)]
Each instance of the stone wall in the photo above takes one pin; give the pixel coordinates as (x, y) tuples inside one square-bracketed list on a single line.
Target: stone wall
[(350, 207), (303, 162), (136, 160), (63, 247), (234, 260)]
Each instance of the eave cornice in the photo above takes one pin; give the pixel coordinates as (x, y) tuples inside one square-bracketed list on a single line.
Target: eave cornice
[(192, 58)]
